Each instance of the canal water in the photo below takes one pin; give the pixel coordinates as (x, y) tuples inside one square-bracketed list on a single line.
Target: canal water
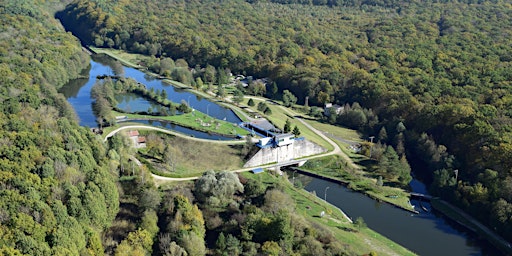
[(426, 233), (78, 94)]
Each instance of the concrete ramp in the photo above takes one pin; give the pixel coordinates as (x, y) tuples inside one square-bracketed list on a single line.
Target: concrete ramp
[(298, 149)]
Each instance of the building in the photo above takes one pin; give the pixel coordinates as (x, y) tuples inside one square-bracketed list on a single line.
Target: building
[(337, 108), (138, 141), (277, 140)]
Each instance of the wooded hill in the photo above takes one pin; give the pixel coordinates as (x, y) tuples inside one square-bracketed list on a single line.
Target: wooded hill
[(441, 69), (56, 192)]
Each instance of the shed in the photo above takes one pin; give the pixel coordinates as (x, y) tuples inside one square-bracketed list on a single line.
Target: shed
[(257, 170)]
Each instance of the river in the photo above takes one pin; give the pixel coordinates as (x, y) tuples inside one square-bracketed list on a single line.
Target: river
[(78, 94), (426, 233)]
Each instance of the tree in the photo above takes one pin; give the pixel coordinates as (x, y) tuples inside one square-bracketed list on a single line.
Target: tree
[(149, 199), (288, 98), (262, 106), (220, 244), (296, 131), (383, 135), (359, 223), (217, 189), (267, 111), (238, 96), (287, 126), (250, 102), (271, 248), (221, 92), (380, 182)]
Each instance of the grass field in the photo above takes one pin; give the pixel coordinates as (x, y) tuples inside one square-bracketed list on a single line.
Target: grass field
[(192, 158), (361, 242)]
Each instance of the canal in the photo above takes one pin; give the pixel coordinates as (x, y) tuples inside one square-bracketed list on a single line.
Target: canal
[(426, 233), (78, 94)]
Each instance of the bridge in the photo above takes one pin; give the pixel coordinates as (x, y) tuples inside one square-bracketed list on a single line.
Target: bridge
[(421, 196)]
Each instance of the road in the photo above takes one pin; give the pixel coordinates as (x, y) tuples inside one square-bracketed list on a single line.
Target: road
[(336, 151), (148, 127)]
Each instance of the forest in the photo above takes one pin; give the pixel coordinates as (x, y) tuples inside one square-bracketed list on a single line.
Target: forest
[(57, 190), (440, 69), (64, 191)]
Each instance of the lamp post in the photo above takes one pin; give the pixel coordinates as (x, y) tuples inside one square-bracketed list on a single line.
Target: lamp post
[(371, 145), (325, 194), (293, 177), (207, 110), (188, 100)]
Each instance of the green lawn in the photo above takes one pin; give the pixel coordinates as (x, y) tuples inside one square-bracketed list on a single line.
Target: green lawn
[(196, 120)]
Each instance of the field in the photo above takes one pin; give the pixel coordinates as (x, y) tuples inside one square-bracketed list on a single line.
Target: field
[(192, 157)]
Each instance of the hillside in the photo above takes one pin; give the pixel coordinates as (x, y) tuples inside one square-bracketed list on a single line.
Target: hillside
[(57, 194), (434, 78)]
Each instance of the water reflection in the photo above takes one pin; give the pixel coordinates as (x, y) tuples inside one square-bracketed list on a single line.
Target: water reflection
[(426, 233), (78, 93)]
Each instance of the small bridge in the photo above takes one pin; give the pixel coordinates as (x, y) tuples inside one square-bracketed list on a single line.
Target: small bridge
[(421, 196)]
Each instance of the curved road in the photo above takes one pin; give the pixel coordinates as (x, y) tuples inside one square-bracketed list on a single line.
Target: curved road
[(336, 151), (148, 127)]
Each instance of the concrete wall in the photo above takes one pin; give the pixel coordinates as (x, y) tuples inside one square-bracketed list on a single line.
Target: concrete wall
[(299, 148)]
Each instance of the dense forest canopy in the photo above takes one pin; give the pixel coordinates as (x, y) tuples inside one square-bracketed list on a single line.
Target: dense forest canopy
[(56, 192), (442, 69)]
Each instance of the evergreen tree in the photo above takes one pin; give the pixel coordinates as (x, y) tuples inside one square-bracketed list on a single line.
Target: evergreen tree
[(251, 102), (296, 131), (287, 126)]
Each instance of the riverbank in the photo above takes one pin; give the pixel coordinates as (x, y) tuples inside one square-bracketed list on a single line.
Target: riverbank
[(390, 195)]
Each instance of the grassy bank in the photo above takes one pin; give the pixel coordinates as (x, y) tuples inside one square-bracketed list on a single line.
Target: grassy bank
[(333, 167), (195, 120), (359, 240)]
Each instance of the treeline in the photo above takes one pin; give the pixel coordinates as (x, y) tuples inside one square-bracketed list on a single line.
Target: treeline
[(57, 193), (443, 69)]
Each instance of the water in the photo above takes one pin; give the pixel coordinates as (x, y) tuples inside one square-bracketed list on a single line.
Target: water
[(426, 233), (78, 94), (184, 130), (176, 95)]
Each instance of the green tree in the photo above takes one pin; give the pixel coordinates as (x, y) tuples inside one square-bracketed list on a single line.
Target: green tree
[(238, 97), (287, 126), (359, 223), (288, 98), (250, 102), (296, 131)]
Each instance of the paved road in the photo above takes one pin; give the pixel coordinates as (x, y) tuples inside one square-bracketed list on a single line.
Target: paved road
[(147, 127), (336, 151)]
